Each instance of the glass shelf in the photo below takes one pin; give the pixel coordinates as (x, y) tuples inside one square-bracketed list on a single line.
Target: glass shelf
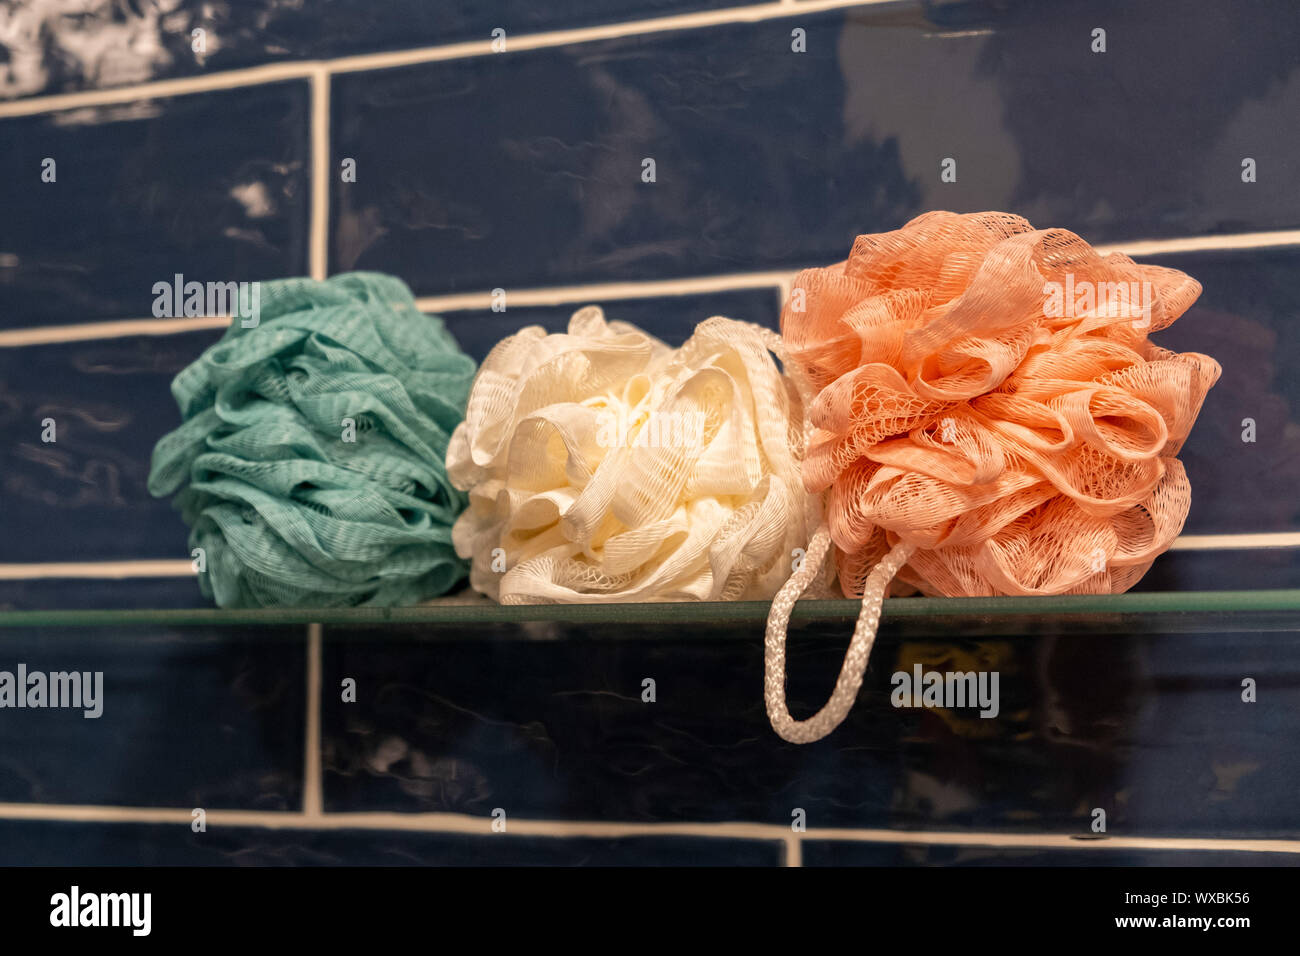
[(1163, 612)]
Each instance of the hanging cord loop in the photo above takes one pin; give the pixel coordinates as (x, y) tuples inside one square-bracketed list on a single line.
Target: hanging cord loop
[(873, 595), (855, 660)]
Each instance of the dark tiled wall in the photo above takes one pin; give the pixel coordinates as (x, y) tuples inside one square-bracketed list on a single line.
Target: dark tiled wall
[(523, 170), (209, 718), (768, 158), (1151, 728), (211, 185), (83, 496)]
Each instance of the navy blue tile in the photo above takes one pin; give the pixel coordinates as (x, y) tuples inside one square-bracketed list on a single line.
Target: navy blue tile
[(83, 497), (211, 185), (1248, 318), (101, 593), (1148, 726), (46, 49), (671, 318), (527, 168), (1248, 569), (190, 718), (854, 853), (28, 843)]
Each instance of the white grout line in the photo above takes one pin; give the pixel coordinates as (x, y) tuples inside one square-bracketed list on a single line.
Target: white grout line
[(784, 289), (182, 568), (482, 825), (306, 69), (220, 80), (313, 804), (320, 172), (606, 291), (114, 329), (1236, 542), (557, 295), (104, 570), (793, 851), (1211, 243), (958, 34), (410, 822)]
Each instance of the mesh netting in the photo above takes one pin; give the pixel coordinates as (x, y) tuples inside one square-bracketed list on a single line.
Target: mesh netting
[(288, 510), (603, 465), (986, 394)]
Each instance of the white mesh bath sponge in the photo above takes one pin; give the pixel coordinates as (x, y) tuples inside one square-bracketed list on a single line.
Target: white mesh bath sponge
[(603, 465)]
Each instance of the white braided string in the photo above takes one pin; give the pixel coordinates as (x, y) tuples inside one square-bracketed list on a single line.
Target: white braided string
[(855, 660)]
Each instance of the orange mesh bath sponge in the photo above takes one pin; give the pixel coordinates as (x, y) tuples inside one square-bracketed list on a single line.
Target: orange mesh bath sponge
[(989, 418)]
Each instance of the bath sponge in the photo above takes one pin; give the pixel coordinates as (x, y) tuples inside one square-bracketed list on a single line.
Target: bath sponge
[(989, 417), (604, 466), (310, 461)]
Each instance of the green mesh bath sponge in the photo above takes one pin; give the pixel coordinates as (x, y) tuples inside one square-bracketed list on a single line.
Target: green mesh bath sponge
[(311, 458)]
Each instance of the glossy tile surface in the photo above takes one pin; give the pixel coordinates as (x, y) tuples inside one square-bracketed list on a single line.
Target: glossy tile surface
[(83, 497), (213, 186), (49, 47), (190, 718), (1150, 727), (75, 844), (527, 169)]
